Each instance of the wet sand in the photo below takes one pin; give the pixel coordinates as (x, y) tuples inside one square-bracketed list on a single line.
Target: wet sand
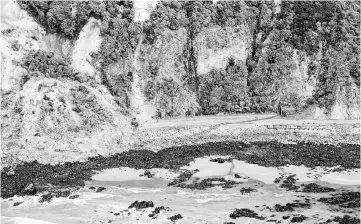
[(212, 205)]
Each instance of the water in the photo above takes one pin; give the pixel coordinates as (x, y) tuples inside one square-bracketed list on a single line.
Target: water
[(214, 205)]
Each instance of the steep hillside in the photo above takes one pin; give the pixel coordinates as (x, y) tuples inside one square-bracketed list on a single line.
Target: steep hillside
[(75, 74)]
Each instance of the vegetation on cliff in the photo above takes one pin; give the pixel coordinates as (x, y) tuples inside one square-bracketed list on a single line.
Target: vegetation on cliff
[(325, 31)]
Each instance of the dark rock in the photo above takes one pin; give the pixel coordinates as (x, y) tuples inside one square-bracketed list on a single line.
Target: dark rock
[(65, 193), (31, 189), (289, 183), (344, 199), (74, 196), (289, 207), (181, 178), (100, 189), (247, 190), (229, 223), (73, 174), (347, 220), (158, 209), (17, 203), (92, 188), (277, 180), (236, 175), (46, 198), (175, 217), (218, 160), (315, 188), (245, 212), (286, 217), (148, 174), (117, 213), (141, 204), (300, 218)]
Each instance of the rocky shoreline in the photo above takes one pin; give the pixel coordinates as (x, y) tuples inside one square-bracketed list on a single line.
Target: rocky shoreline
[(31, 178)]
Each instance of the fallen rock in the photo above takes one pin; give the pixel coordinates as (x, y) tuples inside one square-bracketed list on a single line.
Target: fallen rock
[(300, 218), (175, 217), (17, 203), (46, 198), (74, 196), (245, 212), (100, 189), (315, 188), (141, 204)]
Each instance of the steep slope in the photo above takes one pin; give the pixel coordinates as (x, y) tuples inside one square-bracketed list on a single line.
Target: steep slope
[(54, 119)]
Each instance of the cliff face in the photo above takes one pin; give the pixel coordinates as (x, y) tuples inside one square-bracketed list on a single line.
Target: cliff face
[(52, 119)]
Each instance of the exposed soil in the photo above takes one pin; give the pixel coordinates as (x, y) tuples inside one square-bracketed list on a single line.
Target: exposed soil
[(245, 212), (46, 177)]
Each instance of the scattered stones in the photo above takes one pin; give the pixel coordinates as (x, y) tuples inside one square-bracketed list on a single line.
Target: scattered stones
[(17, 203), (247, 190), (141, 205), (175, 217), (74, 196), (300, 218), (344, 199), (100, 189), (315, 188), (245, 212)]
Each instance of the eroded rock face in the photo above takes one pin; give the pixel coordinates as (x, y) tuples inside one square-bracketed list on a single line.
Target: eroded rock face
[(215, 45)]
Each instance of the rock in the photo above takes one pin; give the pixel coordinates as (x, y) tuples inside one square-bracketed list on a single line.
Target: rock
[(315, 188), (175, 217), (148, 174), (46, 198), (62, 193), (289, 207), (300, 218), (100, 189), (31, 189), (218, 160), (247, 190), (345, 199), (74, 196), (245, 212), (17, 203), (92, 188), (141, 205)]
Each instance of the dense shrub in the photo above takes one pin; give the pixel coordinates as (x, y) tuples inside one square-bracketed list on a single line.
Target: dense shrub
[(225, 90), (41, 63)]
